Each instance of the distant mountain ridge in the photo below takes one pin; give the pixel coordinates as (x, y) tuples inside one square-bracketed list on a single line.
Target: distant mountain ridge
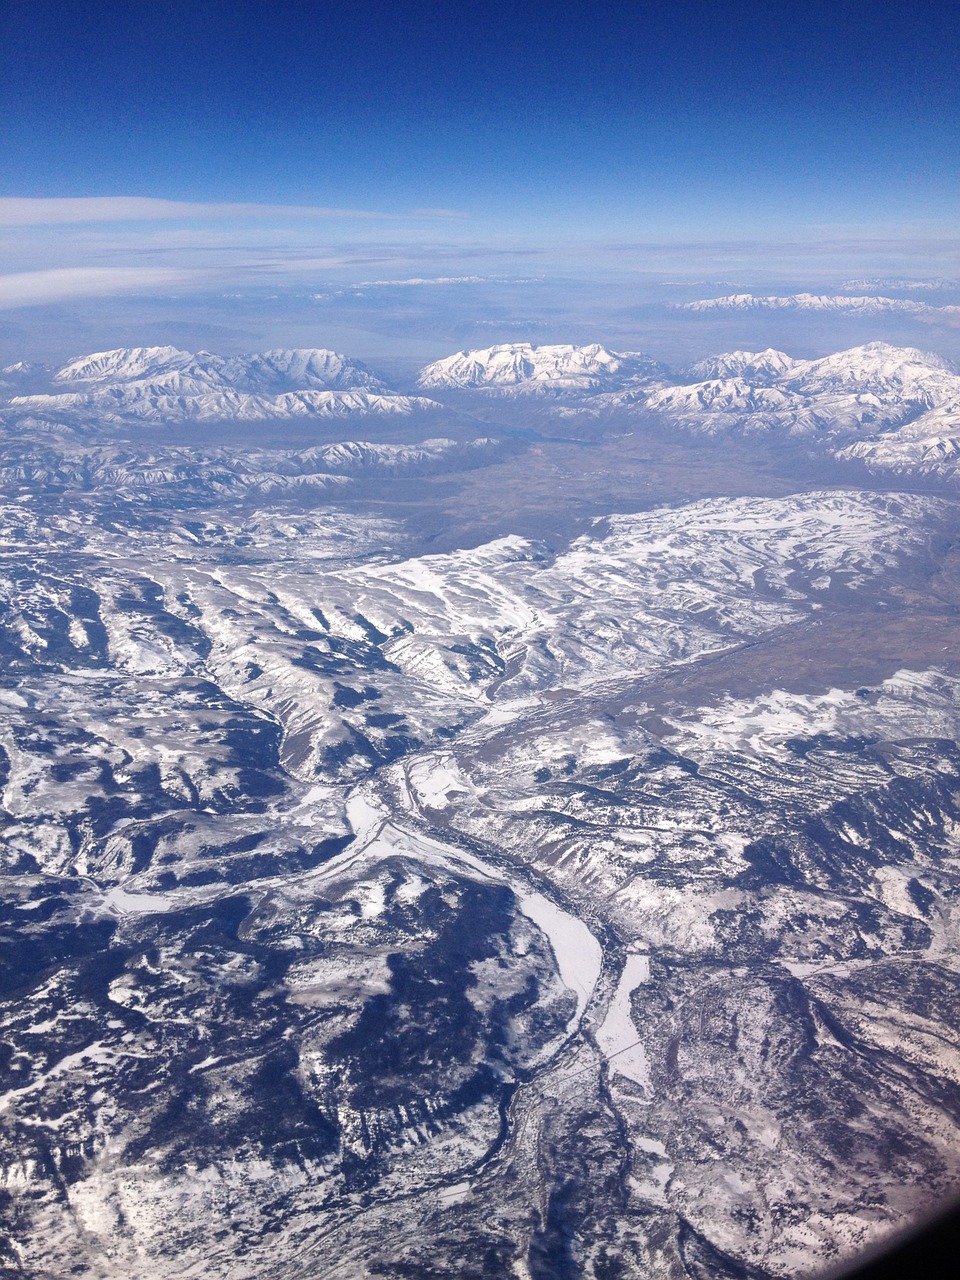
[(296, 369), (891, 408), (888, 407), (939, 284), (844, 303), (167, 384)]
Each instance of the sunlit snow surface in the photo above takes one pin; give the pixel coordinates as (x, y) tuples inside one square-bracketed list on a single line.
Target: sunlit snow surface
[(539, 906)]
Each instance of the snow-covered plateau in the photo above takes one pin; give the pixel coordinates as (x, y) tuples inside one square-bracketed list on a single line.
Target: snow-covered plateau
[(501, 850)]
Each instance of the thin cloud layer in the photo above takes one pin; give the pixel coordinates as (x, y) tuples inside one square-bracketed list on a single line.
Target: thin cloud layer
[(16, 211), (32, 288)]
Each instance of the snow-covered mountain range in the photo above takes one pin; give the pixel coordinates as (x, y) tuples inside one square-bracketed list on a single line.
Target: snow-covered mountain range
[(196, 472), (860, 387), (900, 284), (890, 408), (180, 372), (166, 384), (866, 305)]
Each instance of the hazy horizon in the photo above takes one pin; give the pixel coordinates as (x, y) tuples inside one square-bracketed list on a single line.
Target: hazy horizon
[(187, 153)]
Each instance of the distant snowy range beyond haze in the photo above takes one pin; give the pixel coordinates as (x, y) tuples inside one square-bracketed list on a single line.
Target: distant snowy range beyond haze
[(495, 815)]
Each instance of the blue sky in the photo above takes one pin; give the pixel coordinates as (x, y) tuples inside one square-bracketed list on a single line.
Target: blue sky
[(446, 129)]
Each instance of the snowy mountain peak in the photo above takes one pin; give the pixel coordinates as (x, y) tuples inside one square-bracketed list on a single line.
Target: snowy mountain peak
[(758, 367), (19, 375), (521, 365), (300, 368), (886, 351), (880, 369)]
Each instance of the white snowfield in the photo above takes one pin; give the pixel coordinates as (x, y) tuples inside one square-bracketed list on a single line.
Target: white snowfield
[(492, 629), (617, 1034), (643, 590), (522, 712), (908, 703)]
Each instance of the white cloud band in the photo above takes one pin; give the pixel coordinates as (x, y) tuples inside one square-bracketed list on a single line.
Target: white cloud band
[(32, 288), (17, 211)]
